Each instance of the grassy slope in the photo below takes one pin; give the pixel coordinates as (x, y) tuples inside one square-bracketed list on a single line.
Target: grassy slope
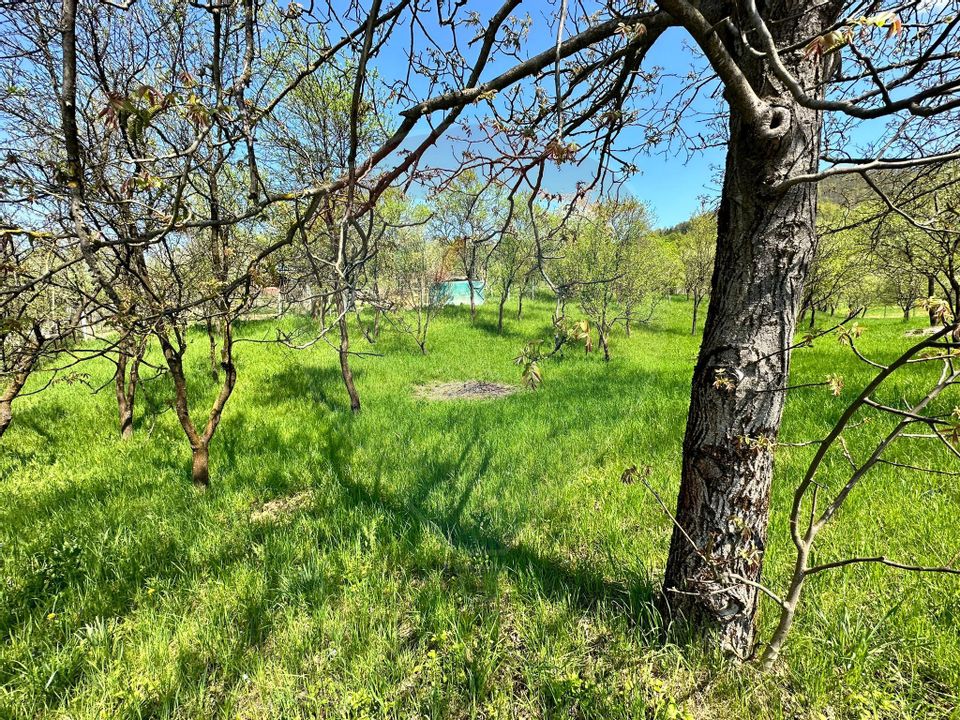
[(455, 559)]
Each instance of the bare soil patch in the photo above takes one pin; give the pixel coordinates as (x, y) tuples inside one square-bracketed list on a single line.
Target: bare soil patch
[(464, 390), (281, 507)]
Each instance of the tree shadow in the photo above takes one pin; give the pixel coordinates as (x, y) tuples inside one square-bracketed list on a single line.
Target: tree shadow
[(411, 515), (320, 385)]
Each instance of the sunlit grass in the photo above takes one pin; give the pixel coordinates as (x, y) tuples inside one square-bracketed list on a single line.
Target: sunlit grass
[(455, 559)]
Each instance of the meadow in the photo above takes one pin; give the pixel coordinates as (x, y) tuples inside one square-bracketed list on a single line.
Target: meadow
[(455, 559)]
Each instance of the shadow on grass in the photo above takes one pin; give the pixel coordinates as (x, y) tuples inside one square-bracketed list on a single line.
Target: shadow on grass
[(321, 386), (411, 516)]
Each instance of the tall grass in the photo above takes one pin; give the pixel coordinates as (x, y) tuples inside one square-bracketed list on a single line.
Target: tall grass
[(438, 559)]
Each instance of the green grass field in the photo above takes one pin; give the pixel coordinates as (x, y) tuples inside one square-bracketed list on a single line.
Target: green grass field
[(441, 559)]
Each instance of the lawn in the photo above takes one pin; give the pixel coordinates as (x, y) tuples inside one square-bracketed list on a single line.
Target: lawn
[(442, 559)]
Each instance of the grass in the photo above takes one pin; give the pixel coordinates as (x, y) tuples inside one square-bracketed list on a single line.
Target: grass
[(455, 559)]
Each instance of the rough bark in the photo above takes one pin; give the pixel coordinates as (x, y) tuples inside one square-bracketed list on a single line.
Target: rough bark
[(201, 465), (764, 248)]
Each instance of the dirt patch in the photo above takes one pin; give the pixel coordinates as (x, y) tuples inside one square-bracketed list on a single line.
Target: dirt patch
[(464, 390), (923, 331), (281, 507)]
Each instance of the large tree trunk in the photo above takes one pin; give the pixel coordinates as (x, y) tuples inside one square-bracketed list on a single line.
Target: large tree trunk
[(201, 465), (764, 247)]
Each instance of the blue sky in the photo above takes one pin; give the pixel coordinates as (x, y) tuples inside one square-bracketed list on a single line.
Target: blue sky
[(670, 180)]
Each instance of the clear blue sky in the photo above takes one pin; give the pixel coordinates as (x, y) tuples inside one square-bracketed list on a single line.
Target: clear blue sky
[(670, 180)]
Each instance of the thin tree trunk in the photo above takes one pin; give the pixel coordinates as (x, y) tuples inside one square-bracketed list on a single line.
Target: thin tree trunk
[(764, 248), (199, 442), (345, 371), (696, 309), (214, 363), (931, 289), (503, 301), (126, 381)]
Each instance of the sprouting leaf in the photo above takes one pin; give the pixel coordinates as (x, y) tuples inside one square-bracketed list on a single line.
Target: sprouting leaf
[(722, 381), (846, 336), (827, 43), (835, 382)]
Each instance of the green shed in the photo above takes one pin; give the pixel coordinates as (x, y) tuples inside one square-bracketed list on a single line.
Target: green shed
[(456, 291)]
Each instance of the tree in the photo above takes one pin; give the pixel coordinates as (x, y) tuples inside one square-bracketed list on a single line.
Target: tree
[(146, 278), (913, 234), (469, 222), (44, 315), (512, 259), (839, 262), (409, 263), (695, 250), (612, 266), (775, 64)]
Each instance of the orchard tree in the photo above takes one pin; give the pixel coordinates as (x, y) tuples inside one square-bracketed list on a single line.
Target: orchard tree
[(614, 266), (152, 146), (409, 263), (779, 65), (514, 259), (44, 315), (695, 247), (839, 264), (469, 221)]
